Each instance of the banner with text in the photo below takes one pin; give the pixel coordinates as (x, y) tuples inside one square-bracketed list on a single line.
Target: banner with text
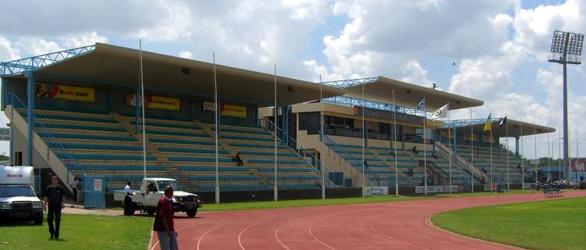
[(226, 109), (65, 92), (578, 165), (377, 190), (157, 102), (435, 189)]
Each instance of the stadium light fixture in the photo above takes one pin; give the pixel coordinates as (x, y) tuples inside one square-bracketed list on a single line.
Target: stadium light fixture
[(566, 48)]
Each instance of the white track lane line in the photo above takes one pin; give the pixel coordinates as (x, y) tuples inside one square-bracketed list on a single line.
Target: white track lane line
[(206, 233), (318, 240), (276, 234), (388, 237), (242, 232)]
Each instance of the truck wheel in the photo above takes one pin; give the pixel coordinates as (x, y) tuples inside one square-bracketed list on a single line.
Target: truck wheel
[(191, 213), (39, 220), (151, 211)]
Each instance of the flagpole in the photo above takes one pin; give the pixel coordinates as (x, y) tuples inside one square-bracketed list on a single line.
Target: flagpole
[(144, 158), (276, 115), (522, 163), (450, 145), (491, 145), (216, 131), (321, 129), (471, 154), (508, 156), (363, 144), (424, 148), (549, 151), (535, 151), (395, 145)]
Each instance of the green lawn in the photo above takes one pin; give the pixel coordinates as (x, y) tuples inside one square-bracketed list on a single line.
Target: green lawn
[(557, 224), (80, 232), (334, 201)]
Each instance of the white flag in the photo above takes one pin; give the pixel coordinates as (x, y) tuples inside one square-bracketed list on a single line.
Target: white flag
[(421, 105), (441, 112)]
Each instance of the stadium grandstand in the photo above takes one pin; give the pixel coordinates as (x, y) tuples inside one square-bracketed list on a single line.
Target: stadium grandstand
[(74, 113)]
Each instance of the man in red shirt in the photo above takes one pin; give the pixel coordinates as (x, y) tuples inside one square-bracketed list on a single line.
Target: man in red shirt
[(164, 225)]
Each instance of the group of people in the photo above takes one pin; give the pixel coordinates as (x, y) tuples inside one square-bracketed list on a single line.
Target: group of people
[(163, 225)]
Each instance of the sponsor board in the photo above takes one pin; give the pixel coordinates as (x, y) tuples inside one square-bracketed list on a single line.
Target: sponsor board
[(578, 165), (377, 190), (65, 92), (156, 102), (226, 109), (436, 189)]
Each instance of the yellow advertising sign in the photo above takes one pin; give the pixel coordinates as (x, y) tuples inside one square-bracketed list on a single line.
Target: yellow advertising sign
[(160, 102), (65, 92), (233, 110)]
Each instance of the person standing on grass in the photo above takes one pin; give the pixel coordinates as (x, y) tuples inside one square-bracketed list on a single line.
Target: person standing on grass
[(54, 199), (164, 225)]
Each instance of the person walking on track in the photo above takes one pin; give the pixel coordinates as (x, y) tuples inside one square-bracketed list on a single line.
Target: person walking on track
[(164, 225)]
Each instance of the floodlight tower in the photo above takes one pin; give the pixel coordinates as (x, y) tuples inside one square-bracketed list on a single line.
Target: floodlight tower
[(566, 48)]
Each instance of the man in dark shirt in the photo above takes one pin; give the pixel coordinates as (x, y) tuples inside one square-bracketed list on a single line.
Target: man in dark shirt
[(54, 194), (164, 225)]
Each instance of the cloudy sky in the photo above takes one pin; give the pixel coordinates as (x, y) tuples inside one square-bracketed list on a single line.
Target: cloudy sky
[(495, 51)]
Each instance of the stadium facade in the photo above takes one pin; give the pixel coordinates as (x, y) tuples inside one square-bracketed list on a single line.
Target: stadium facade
[(82, 104)]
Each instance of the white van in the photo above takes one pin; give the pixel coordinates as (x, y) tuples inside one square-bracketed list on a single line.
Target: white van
[(17, 197)]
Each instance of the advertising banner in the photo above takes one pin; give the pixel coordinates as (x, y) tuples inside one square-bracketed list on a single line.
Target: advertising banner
[(377, 190), (578, 165), (435, 189), (65, 92), (226, 109), (157, 102), (233, 110)]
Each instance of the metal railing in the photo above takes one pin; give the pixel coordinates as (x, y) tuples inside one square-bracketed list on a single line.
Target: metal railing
[(461, 162), (13, 100), (292, 145), (347, 157), (351, 102)]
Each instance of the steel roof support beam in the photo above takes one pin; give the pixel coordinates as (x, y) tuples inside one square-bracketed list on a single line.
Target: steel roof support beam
[(22, 65)]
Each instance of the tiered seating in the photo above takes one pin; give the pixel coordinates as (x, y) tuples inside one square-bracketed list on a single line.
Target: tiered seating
[(184, 145), (256, 147), (95, 143), (380, 162), (499, 162)]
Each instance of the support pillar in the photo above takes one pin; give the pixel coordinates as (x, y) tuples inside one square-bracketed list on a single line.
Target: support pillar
[(30, 86), (517, 147)]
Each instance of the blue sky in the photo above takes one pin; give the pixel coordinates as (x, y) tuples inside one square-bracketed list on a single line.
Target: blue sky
[(495, 51)]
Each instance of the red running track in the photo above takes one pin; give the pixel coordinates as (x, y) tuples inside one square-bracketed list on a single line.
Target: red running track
[(393, 225)]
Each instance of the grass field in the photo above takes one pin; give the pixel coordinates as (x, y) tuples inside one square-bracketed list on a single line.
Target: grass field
[(334, 201), (557, 224), (80, 232)]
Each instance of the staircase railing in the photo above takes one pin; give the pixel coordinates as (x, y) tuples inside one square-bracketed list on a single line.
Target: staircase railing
[(445, 151), (347, 157), (69, 160), (298, 150), (435, 169)]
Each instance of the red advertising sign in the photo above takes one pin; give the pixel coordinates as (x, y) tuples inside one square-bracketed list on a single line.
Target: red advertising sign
[(578, 165)]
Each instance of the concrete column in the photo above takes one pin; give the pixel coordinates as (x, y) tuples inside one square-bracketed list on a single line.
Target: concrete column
[(30, 86)]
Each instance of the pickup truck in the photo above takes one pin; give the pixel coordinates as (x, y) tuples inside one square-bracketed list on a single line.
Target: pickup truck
[(17, 198), (151, 190)]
